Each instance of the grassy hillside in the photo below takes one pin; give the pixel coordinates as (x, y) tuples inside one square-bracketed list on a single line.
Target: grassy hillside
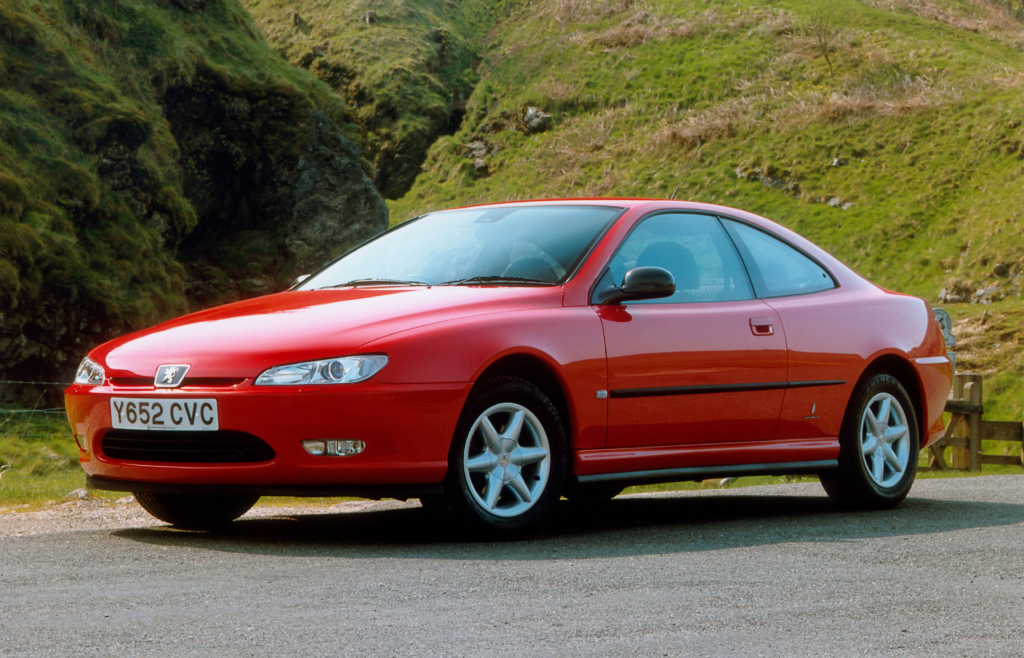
[(138, 142), (156, 155), (404, 67), (917, 133), (891, 132)]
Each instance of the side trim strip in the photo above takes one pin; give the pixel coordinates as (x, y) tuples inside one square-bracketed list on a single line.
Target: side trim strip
[(718, 388), (704, 472), (823, 382)]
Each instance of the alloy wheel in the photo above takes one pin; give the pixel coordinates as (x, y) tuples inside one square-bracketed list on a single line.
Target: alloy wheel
[(507, 460), (885, 440)]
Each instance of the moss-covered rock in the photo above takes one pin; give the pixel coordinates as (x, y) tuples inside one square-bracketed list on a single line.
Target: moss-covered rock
[(405, 68), (138, 141)]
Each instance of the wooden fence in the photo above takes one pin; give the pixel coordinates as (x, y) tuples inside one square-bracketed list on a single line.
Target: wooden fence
[(967, 429)]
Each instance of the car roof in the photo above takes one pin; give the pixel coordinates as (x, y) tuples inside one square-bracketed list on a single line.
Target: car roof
[(843, 274), (623, 202), (628, 203)]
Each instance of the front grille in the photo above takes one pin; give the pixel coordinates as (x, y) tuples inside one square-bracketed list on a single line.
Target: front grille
[(219, 447), (202, 382)]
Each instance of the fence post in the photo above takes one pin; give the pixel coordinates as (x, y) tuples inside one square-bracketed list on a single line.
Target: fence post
[(973, 393), (959, 457)]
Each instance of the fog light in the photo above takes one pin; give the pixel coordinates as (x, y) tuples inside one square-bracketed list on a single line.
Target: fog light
[(334, 447), (314, 447), (83, 443), (345, 448)]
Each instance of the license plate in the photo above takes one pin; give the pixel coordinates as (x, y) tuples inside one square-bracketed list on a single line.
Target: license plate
[(173, 415)]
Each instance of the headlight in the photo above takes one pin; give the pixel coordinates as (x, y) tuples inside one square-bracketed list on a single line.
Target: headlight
[(90, 372), (343, 370)]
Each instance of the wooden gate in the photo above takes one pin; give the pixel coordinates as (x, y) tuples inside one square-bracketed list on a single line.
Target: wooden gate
[(967, 429)]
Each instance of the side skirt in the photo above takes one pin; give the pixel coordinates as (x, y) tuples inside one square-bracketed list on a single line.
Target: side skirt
[(706, 472)]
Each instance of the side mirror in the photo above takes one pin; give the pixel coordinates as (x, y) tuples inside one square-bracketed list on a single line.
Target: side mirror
[(299, 279), (641, 283)]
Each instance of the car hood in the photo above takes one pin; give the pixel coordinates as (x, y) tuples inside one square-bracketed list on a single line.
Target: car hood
[(245, 338)]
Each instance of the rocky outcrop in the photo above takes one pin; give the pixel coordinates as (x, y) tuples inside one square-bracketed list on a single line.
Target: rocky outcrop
[(262, 164), (404, 69), (147, 170), (336, 206)]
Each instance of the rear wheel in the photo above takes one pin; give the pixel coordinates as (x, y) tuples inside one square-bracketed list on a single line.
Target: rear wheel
[(507, 462), (879, 445), (195, 512)]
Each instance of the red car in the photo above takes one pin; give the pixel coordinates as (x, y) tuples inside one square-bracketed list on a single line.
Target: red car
[(490, 360)]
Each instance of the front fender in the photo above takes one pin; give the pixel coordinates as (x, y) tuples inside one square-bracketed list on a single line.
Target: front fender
[(569, 341)]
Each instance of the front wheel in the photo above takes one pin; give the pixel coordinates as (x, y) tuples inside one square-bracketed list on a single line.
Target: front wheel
[(508, 458), (594, 493), (879, 445), (195, 512)]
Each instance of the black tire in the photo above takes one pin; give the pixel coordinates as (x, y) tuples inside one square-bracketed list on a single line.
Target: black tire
[(195, 512), (593, 493), (852, 485), (465, 493)]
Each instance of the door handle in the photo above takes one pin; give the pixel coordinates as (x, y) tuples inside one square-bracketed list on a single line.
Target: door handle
[(762, 326)]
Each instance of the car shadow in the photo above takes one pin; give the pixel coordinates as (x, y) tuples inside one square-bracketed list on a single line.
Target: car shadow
[(628, 526)]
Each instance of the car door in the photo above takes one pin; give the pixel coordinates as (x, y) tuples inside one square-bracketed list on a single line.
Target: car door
[(805, 295), (706, 365)]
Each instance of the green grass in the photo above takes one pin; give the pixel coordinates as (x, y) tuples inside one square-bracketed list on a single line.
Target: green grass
[(38, 460), (39, 465)]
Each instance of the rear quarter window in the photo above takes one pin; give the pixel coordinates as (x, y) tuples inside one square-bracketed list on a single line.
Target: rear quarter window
[(777, 269)]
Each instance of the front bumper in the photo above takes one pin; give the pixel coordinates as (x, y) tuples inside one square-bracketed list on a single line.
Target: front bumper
[(374, 491), (407, 429)]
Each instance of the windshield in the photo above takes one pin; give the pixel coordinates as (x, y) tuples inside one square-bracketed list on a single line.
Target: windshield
[(532, 245)]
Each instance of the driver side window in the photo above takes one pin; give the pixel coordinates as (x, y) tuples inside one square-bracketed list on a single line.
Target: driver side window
[(695, 249)]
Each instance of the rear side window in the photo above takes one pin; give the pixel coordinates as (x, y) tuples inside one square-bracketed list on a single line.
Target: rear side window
[(777, 269), (695, 249)]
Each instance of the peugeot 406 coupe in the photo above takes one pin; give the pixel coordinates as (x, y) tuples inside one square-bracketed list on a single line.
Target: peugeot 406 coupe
[(491, 360)]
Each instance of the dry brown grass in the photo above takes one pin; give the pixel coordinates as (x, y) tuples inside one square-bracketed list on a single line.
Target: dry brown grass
[(911, 96), (988, 339), (865, 102), (576, 146), (643, 27), (1008, 78), (569, 12), (722, 121), (985, 16), (561, 92)]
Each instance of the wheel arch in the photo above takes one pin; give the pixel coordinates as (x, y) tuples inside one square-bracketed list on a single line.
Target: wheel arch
[(540, 372), (904, 372)]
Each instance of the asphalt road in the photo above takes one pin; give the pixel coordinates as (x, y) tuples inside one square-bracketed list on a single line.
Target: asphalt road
[(770, 571)]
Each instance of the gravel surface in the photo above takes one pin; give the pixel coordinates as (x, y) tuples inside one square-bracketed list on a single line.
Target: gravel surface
[(767, 571)]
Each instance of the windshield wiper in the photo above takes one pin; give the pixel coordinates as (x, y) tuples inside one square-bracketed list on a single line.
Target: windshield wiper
[(494, 279), (355, 283)]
